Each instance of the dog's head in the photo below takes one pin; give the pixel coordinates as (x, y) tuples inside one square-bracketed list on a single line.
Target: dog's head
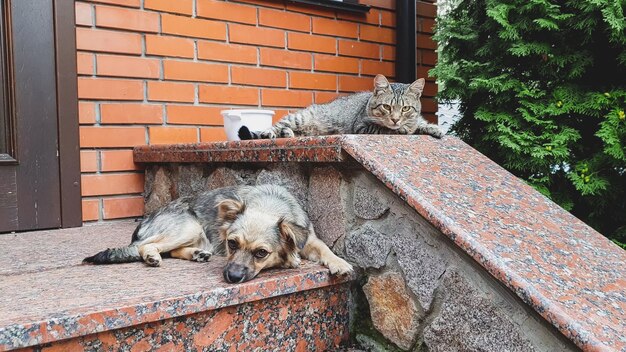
[(257, 240)]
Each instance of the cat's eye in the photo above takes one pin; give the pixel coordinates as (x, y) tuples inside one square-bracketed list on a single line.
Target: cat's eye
[(386, 107), (233, 245), (261, 253), (406, 108)]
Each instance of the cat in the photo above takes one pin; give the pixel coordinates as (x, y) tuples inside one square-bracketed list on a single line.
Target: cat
[(391, 108)]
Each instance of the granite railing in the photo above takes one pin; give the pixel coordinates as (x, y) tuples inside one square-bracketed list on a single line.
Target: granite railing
[(453, 251)]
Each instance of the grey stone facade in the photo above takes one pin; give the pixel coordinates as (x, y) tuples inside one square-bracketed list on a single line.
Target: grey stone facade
[(421, 291)]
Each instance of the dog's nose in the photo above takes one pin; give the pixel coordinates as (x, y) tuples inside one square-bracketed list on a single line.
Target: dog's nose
[(234, 273)]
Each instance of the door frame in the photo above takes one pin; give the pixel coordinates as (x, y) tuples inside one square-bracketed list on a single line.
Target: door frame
[(67, 112)]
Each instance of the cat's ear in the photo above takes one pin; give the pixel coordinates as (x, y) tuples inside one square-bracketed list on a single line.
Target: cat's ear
[(381, 84), (417, 87)]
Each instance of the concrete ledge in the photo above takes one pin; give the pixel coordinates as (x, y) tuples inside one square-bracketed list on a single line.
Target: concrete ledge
[(46, 295), (568, 273)]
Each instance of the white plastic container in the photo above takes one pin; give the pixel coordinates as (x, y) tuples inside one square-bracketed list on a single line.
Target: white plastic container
[(255, 120)]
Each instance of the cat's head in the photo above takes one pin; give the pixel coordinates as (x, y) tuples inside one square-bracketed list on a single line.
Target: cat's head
[(395, 105)]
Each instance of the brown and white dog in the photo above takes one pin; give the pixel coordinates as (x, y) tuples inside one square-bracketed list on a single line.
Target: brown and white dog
[(256, 227)]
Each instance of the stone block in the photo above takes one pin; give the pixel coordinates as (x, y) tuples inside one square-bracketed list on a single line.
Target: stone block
[(368, 248), (421, 264), (393, 312), (469, 322), (227, 177), (367, 203), (325, 204), (158, 189), (190, 180), (289, 175)]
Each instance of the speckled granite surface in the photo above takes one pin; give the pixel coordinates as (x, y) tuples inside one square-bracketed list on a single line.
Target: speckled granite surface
[(570, 274), (47, 295)]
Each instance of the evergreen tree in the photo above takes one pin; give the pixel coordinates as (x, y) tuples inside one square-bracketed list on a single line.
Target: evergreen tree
[(542, 86)]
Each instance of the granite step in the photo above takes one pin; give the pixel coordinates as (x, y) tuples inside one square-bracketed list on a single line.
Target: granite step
[(48, 299)]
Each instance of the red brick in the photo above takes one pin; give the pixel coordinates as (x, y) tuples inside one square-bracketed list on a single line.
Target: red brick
[(428, 105), (325, 97), (107, 41), (129, 3), (425, 41), (193, 27), (278, 4), (335, 28), (285, 58), (226, 11), (88, 161), (108, 184), (239, 33), (229, 95), (83, 14), (307, 80), (286, 98), (86, 113), (131, 113), (425, 25), (310, 9), (212, 134), (422, 72), (432, 118), (91, 209), (426, 57), (388, 19), (195, 71), (385, 4), (84, 64), (117, 160), (184, 7), (331, 63), (127, 19), (369, 67), (430, 89), (173, 135), (109, 89), (127, 66), (355, 84), (164, 45), (389, 52), (425, 9), (377, 34), (278, 115), (194, 115), (110, 137), (258, 76), (371, 17), (227, 52), (124, 207), (169, 91), (358, 49), (284, 19), (308, 42)]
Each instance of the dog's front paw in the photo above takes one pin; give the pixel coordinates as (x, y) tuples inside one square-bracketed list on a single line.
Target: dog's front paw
[(201, 255), (153, 260), (339, 266)]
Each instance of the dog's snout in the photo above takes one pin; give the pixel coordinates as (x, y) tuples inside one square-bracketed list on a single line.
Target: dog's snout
[(235, 273)]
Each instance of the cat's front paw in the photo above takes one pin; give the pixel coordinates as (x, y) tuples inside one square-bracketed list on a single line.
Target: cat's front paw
[(287, 133), (436, 132), (268, 134)]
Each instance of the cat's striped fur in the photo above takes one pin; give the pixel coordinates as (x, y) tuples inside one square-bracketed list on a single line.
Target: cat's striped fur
[(391, 108)]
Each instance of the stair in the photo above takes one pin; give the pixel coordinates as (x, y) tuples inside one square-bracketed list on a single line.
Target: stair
[(49, 300)]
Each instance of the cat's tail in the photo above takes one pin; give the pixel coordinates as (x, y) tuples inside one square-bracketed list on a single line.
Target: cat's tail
[(245, 134)]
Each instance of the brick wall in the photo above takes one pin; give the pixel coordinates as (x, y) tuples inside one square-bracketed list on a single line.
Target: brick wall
[(160, 71)]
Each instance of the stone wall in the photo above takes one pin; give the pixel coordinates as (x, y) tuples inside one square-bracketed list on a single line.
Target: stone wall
[(416, 292)]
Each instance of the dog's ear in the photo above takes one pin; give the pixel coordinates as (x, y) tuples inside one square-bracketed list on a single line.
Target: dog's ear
[(292, 235), (229, 209)]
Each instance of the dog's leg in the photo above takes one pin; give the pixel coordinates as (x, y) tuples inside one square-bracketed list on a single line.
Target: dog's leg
[(192, 253), (191, 234), (317, 250)]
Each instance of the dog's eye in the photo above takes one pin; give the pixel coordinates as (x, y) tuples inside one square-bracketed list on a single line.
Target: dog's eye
[(261, 253), (406, 108), (233, 245), (386, 107)]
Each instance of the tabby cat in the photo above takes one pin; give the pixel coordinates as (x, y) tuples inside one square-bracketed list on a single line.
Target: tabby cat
[(391, 108)]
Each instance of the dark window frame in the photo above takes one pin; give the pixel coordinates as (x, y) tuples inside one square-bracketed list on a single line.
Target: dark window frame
[(345, 5)]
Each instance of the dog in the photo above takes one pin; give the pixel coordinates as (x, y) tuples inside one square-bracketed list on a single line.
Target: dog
[(256, 227)]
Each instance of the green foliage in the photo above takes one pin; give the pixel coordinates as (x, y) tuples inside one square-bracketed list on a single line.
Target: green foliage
[(542, 86)]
